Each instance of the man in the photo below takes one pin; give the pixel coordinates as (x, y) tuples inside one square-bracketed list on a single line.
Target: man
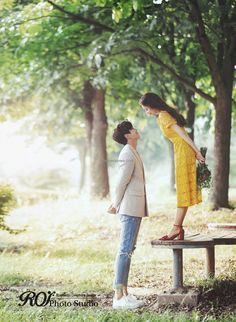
[(131, 204)]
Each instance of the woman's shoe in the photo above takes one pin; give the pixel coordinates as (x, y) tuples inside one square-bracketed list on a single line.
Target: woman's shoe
[(179, 235)]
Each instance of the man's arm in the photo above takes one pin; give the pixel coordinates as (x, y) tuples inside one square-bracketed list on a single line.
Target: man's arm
[(126, 168)]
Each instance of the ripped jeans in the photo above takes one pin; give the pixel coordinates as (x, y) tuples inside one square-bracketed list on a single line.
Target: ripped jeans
[(128, 238)]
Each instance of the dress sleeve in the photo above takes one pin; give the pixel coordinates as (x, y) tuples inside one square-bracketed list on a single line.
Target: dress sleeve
[(166, 120)]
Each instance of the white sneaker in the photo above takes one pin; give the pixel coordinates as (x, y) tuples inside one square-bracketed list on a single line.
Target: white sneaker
[(124, 303), (133, 299)]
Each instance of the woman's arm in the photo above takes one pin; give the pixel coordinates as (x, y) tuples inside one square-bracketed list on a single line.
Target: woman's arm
[(187, 139)]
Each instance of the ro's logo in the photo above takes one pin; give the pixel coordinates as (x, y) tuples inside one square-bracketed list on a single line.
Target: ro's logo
[(38, 299)]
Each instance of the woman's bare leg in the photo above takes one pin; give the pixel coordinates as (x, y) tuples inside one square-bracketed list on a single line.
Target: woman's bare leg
[(180, 215)]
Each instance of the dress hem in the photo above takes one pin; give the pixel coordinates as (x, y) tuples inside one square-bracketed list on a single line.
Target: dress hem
[(189, 205)]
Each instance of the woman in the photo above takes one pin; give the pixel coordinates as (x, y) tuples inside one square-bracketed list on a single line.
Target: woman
[(185, 151)]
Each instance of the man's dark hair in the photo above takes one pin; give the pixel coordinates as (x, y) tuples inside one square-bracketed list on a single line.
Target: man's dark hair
[(120, 131)]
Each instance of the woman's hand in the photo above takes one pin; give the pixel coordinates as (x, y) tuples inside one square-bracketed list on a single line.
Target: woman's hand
[(199, 157), (111, 210)]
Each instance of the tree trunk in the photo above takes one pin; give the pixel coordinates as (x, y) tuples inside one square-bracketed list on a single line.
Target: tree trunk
[(223, 108), (221, 67), (222, 148), (99, 171), (82, 158), (88, 118), (190, 106), (88, 93)]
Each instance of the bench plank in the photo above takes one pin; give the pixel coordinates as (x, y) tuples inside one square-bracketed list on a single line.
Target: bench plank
[(229, 235), (225, 235), (191, 236), (196, 241), (178, 244), (202, 237)]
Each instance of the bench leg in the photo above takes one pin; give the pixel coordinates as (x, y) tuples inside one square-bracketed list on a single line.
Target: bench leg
[(177, 268), (210, 261)]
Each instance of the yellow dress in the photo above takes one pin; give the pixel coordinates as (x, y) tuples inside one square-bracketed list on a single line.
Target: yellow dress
[(187, 191)]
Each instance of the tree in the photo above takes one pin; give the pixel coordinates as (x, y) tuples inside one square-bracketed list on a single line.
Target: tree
[(157, 32), (221, 59), (215, 43), (41, 37)]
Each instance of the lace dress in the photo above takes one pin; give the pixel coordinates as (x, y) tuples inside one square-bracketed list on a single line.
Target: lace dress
[(188, 193)]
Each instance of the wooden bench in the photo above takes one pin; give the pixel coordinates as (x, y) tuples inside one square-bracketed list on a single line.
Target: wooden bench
[(195, 241)]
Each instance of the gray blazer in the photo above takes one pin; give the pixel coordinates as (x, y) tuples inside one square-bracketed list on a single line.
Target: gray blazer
[(130, 193)]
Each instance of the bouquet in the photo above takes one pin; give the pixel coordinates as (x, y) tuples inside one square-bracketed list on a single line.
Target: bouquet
[(203, 173)]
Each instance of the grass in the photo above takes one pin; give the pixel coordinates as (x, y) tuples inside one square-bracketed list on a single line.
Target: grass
[(87, 315), (13, 278), (70, 246)]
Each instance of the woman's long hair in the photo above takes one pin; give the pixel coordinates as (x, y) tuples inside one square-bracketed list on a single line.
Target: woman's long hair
[(154, 101)]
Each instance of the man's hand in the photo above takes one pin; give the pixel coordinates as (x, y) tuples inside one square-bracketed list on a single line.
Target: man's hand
[(111, 210)]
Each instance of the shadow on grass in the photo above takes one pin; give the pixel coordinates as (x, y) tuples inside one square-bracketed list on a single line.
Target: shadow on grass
[(217, 294)]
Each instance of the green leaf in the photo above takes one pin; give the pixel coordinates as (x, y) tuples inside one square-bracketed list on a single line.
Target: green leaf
[(137, 5), (116, 15), (6, 4)]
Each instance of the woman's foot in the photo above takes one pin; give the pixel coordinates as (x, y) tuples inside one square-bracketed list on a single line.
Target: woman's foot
[(176, 232)]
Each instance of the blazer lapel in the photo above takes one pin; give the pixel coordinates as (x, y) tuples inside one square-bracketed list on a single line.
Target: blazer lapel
[(139, 160)]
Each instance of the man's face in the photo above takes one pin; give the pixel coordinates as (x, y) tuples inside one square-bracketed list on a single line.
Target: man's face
[(133, 134)]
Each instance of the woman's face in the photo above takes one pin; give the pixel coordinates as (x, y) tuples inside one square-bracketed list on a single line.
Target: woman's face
[(150, 111)]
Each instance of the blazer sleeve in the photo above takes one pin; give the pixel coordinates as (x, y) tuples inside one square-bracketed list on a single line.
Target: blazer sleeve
[(126, 168)]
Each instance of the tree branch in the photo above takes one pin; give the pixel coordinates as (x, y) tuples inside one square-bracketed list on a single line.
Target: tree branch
[(78, 17), (231, 41), (196, 18), (221, 44), (37, 18), (169, 69)]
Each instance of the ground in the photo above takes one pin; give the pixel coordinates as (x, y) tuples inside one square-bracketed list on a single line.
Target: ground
[(69, 247)]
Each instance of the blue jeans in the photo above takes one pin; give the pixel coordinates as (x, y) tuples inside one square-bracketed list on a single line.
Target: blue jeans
[(128, 238)]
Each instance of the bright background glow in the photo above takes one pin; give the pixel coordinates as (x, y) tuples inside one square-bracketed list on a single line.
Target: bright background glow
[(27, 161)]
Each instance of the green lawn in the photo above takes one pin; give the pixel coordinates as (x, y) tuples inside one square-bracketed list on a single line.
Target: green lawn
[(70, 247)]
